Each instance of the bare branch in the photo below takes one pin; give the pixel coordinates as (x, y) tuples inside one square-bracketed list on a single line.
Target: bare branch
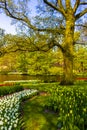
[(81, 43), (52, 42), (60, 46), (9, 13), (68, 4), (22, 17), (81, 14), (61, 7), (61, 10), (83, 3), (81, 25), (76, 5)]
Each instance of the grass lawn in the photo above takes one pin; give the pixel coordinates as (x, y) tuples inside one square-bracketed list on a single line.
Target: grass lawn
[(36, 117)]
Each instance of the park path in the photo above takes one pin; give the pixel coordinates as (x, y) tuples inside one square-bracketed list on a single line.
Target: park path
[(35, 116)]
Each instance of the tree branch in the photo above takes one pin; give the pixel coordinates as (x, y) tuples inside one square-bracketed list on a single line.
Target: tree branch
[(83, 3), (81, 43), (81, 14), (77, 3), (81, 25), (61, 7), (25, 19), (61, 10), (68, 4), (52, 42)]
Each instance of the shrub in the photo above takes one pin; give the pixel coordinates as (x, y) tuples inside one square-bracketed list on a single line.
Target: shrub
[(10, 89)]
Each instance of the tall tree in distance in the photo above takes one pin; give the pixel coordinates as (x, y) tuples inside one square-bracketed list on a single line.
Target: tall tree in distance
[(59, 32), (2, 34)]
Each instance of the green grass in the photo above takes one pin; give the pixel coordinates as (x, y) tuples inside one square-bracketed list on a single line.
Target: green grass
[(34, 114), (36, 117), (39, 86)]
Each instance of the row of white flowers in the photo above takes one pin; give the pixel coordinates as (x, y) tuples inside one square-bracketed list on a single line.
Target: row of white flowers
[(9, 109)]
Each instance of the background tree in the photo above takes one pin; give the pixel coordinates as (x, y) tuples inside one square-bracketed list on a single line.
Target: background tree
[(23, 63), (84, 33), (64, 14), (32, 63), (2, 34), (8, 63)]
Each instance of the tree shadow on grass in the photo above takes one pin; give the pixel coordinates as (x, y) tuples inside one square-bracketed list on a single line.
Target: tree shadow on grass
[(36, 117)]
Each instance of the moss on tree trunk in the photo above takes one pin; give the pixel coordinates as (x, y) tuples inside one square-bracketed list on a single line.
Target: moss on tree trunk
[(68, 53), (67, 71)]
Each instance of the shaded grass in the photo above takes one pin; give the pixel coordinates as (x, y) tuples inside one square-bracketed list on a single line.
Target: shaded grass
[(36, 117)]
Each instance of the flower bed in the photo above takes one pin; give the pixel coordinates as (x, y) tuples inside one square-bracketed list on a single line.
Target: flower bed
[(13, 82), (6, 84), (9, 109), (84, 79), (71, 105)]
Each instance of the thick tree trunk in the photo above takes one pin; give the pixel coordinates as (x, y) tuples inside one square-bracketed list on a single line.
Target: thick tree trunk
[(67, 70), (68, 53)]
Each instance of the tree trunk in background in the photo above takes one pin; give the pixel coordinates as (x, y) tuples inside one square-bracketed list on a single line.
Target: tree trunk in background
[(68, 54)]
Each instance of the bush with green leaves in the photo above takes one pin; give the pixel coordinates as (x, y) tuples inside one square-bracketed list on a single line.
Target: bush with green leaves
[(71, 105), (4, 90)]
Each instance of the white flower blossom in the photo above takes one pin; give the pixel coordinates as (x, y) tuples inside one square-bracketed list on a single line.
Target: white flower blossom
[(1, 122), (9, 109)]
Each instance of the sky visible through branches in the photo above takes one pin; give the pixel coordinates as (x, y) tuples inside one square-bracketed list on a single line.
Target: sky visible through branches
[(5, 22)]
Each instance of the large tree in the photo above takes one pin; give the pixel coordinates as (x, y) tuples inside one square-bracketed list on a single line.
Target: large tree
[(62, 15)]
